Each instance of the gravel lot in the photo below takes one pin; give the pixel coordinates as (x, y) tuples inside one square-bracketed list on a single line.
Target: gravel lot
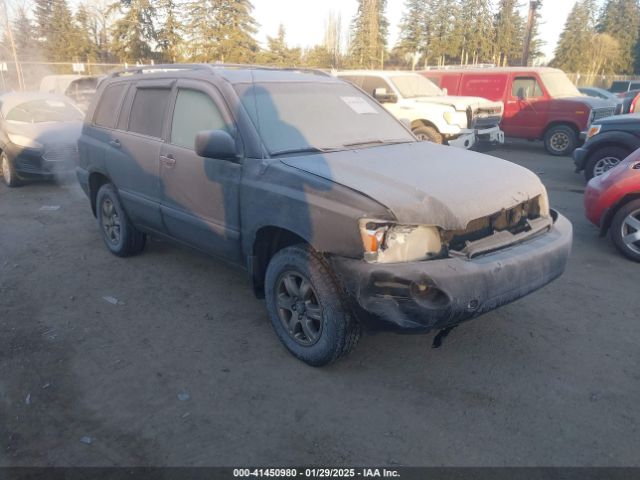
[(186, 370)]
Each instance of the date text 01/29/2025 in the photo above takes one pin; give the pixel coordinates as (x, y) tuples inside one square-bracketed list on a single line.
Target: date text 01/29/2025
[(314, 473)]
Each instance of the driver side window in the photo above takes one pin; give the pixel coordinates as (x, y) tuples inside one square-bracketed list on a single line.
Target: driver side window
[(194, 112), (526, 87)]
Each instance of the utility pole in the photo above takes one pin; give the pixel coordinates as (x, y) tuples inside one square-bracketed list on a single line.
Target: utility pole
[(13, 45), (533, 7)]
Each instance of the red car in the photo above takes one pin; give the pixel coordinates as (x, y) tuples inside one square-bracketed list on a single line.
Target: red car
[(612, 203)]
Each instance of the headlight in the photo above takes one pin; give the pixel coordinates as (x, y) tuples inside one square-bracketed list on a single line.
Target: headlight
[(594, 130), (22, 141), (386, 242), (456, 118)]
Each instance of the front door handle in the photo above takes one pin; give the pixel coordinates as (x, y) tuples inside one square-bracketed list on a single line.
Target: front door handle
[(168, 160), (115, 143)]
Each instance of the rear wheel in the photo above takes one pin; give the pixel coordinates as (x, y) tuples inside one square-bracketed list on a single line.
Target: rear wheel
[(560, 140), (9, 175), (306, 308), (625, 230), (428, 134), (603, 160), (119, 235)]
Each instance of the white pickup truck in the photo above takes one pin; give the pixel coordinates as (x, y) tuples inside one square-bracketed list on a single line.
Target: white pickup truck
[(434, 116)]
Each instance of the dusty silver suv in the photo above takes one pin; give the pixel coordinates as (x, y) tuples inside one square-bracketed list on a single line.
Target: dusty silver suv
[(342, 219)]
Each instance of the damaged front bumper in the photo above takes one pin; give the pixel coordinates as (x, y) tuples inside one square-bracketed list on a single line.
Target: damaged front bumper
[(422, 296), (469, 138)]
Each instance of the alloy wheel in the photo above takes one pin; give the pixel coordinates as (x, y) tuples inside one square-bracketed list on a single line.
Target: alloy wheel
[(110, 221), (298, 308), (631, 231), (605, 164)]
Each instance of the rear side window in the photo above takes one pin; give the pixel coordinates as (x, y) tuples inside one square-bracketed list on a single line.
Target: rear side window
[(369, 84), (357, 81), (617, 87), (634, 86), (526, 87), (109, 107), (195, 111), (147, 111)]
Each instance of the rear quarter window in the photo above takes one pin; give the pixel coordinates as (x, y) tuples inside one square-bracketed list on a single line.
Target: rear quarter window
[(106, 114)]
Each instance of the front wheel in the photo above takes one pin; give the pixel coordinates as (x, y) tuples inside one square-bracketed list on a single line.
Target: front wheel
[(9, 175), (118, 233), (428, 134), (604, 160), (560, 140), (625, 230), (306, 308)]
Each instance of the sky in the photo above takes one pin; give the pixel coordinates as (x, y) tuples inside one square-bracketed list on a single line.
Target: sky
[(304, 20)]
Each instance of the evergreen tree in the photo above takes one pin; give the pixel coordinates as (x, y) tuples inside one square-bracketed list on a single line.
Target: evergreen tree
[(473, 32), (25, 37), (414, 31), (442, 44), (278, 53), (170, 35), (62, 33), (620, 19), (571, 52), (85, 46), (134, 32), (222, 30), (369, 30), (509, 34), (43, 12)]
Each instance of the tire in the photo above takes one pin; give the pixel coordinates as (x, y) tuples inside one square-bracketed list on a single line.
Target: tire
[(119, 235), (428, 134), (626, 223), (324, 329), (8, 169), (604, 159), (560, 140)]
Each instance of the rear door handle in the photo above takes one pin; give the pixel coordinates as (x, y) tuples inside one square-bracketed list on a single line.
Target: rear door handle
[(168, 160), (115, 143)]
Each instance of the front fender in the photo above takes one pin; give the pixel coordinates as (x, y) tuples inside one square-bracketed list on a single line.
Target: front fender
[(618, 138)]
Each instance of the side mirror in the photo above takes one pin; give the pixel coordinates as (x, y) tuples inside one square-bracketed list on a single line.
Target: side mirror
[(381, 95), (216, 144), (521, 94), (445, 91)]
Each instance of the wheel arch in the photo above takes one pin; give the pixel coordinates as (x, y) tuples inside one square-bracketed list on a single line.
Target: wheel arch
[(268, 241), (562, 123), (607, 219), (423, 123), (96, 181)]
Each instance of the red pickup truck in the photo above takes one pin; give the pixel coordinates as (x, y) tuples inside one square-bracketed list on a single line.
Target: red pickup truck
[(539, 103)]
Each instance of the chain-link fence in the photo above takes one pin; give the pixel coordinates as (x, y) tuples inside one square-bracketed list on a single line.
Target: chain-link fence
[(602, 81)]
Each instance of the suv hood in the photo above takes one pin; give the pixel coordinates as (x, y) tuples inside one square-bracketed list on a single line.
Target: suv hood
[(427, 184), (459, 103)]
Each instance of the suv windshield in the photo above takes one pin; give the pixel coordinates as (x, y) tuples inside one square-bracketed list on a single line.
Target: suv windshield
[(315, 117), (43, 110), (559, 85), (413, 86)]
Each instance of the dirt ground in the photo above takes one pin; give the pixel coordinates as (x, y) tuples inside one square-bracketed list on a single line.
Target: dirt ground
[(186, 370)]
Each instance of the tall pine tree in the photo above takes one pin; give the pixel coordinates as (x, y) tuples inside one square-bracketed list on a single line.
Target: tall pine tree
[(134, 32), (369, 30), (171, 33), (620, 19), (575, 39), (509, 33), (222, 30), (414, 31)]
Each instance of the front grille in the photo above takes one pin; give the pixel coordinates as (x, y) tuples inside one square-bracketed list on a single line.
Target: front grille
[(485, 117), (62, 153), (513, 220), (599, 113)]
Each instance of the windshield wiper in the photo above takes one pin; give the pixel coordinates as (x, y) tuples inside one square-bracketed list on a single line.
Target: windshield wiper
[(371, 143), (292, 151)]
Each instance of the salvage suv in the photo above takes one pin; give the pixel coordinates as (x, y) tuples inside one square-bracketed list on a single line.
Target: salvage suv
[(433, 115), (342, 219)]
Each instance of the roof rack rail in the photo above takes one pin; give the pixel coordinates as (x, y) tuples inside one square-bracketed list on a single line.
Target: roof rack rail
[(171, 67)]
